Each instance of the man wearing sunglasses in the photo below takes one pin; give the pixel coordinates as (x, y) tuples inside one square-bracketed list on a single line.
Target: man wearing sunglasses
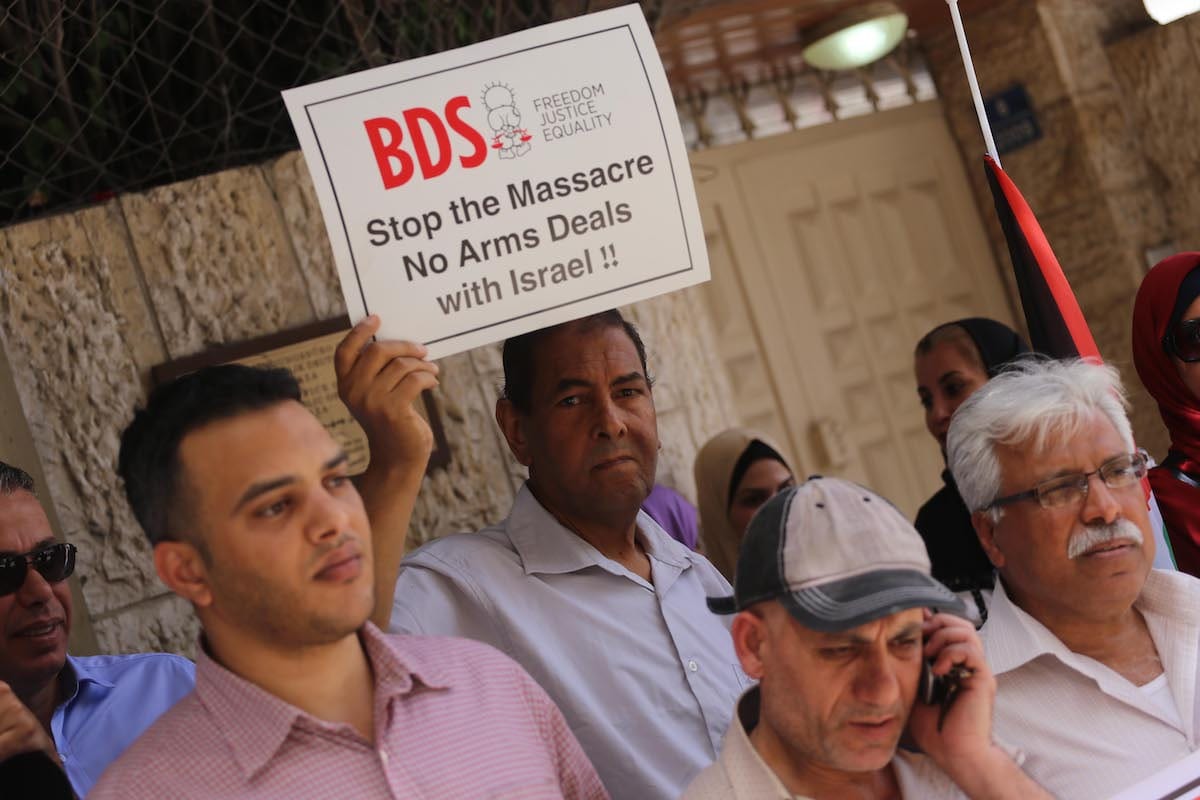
[(81, 712), (1095, 654)]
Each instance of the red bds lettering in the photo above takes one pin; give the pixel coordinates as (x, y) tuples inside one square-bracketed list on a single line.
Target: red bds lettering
[(429, 139), (430, 168), (453, 108), (388, 152)]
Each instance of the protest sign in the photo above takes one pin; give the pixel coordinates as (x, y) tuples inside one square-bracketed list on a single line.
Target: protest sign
[(482, 192)]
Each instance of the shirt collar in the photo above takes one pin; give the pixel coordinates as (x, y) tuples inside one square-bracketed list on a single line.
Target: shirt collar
[(262, 721), (546, 546), (1013, 638), (750, 776), (74, 674), (81, 672)]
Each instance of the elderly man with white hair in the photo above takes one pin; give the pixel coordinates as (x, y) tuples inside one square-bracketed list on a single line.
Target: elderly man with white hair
[(1095, 654)]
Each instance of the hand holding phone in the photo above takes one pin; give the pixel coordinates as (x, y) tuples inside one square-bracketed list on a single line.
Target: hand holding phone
[(941, 690), (951, 717)]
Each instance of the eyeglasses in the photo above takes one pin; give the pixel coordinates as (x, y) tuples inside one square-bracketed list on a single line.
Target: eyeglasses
[(1184, 341), (54, 562), (1117, 473)]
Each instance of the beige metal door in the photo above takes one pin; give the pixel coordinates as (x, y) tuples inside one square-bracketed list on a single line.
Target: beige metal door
[(833, 249)]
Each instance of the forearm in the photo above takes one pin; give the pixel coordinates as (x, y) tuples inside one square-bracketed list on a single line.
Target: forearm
[(389, 495), (995, 777)]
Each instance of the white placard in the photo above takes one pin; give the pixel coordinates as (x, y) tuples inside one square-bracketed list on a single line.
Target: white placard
[(517, 183)]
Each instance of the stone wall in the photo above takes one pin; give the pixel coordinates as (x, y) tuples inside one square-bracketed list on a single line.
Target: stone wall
[(90, 301), (1158, 70), (1088, 179)]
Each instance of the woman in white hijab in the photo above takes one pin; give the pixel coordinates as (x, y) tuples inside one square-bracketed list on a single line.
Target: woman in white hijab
[(736, 472)]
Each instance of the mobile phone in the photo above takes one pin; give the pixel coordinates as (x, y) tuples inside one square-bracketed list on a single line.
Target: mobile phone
[(940, 690)]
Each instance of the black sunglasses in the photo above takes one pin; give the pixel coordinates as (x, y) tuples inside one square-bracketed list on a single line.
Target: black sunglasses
[(1183, 341), (54, 562)]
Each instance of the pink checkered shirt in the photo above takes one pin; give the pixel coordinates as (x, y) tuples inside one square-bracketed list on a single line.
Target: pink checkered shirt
[(453, 719)]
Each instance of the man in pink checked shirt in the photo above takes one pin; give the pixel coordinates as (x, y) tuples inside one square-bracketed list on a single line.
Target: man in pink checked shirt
[(254, 520)]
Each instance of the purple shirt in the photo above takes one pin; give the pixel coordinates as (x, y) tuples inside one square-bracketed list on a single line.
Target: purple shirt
[(674, 514)]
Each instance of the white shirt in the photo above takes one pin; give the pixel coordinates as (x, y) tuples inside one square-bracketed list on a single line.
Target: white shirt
[(645, 675), (1086, 731), (741, 774)]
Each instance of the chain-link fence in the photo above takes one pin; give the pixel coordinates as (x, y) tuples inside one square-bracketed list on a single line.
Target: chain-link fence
[(98, 98), (104, 97)]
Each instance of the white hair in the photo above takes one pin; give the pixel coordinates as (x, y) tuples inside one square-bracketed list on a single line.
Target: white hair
[(1034, 402)]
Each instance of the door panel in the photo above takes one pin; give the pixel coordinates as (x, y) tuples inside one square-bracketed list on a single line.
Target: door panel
[(833, 249)]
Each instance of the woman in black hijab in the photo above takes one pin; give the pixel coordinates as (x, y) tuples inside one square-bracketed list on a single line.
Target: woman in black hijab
[(951, 362)]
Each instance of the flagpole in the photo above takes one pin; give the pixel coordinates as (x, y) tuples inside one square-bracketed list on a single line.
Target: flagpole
[(969, 65)]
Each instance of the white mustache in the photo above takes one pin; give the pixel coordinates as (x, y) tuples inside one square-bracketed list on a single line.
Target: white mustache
[(1093, 536)]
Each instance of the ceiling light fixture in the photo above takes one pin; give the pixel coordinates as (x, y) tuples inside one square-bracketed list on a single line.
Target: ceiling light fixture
[(1165, 11), (855, 37)]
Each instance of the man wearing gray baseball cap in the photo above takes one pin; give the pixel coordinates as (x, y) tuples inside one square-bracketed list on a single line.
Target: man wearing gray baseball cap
[(842, 625)]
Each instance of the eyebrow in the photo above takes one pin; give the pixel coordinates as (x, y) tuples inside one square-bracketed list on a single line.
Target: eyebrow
[(1069, 471), (571, 383), (43, 543), (954, 373), (257, 490), (580, 383), (833, 640)]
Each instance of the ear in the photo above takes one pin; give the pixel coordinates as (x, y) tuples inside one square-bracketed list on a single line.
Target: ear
[(749, 633), (512, 425), (985, 529), (181, 567)]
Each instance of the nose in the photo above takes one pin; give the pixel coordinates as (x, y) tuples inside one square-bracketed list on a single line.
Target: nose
[(328, 516), (938, 416), (35, 591), (610, 422), (1101, 504), (876, 683)]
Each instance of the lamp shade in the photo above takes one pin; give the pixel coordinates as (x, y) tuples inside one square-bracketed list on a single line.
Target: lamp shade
[(856, 37)]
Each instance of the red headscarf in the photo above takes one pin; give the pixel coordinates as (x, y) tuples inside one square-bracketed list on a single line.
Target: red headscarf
[(1152, 310)]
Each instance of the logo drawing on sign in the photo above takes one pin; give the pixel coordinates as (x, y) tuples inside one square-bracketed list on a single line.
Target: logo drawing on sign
[(509, 138)]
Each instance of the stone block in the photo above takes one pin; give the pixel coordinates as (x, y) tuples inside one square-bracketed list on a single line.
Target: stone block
[(1155, 70), (476, 489), (290, 180), (80, 338), (1009, 45), (1110, 141), (217, 260), (692, 394), (165, 623), (1139, 216)]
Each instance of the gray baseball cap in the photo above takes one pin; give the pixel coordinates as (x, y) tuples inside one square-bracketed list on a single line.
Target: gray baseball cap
[(837, 556)]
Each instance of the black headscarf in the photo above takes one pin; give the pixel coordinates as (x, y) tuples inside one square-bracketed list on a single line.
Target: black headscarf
[(944, 522), (997, 343)]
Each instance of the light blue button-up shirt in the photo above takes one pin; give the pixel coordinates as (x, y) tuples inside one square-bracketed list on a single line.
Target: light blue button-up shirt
[(110, 700), (645, 674)]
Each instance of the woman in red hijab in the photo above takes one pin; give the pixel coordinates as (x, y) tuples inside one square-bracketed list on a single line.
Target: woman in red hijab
[(1166, 352)]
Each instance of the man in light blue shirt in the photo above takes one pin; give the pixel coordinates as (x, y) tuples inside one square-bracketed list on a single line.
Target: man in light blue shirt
[(585, 590), (82, 712)]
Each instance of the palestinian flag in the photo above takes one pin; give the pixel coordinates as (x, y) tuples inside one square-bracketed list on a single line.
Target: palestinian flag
[(1056, 324)]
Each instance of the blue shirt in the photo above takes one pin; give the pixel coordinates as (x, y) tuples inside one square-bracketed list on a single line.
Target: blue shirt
[(644, 673), (110, 701)]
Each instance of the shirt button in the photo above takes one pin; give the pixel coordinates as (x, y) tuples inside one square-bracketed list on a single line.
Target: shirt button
[(383, 756), (693, 666)]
